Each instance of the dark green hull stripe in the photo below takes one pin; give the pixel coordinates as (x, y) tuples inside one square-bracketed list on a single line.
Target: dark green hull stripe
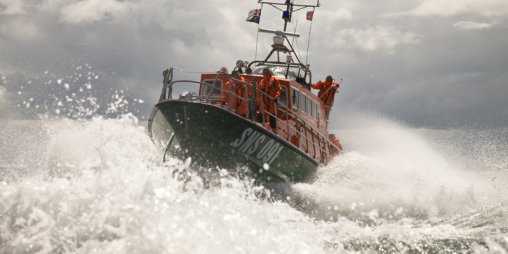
[(215, 137)]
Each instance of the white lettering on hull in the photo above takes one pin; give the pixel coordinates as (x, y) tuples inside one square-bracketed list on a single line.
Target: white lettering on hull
[(258, 145)]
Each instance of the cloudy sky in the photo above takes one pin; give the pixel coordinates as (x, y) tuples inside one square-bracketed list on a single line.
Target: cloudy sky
[(429, 63)]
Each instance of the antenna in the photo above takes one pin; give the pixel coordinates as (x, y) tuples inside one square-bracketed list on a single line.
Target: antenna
[(290, 8), (287, 7), (278, 33)]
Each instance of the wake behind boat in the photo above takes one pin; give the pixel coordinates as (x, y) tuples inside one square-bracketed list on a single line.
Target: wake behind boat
[(262, 117)]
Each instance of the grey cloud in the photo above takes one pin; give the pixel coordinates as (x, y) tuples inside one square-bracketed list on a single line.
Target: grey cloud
[(472, 25), (451, 7), (418, 68), (439, 81), (12, 7), (451, 80), (90, 11), (130, 48), (3, 92), (384, 38)]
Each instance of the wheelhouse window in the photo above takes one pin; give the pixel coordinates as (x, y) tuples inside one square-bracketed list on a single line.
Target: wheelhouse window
[(309, 106), (294, 97), (283, 99), (211, 87), (303, 102), (314, 110)]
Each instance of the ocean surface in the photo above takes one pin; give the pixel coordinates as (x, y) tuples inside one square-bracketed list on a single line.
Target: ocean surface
[(99, 186)]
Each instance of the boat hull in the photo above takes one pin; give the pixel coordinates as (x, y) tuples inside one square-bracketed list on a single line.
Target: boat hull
[(214, 137)]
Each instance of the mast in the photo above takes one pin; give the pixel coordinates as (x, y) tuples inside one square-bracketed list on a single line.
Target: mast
[(290, 8), (287, 14), (287, 7)]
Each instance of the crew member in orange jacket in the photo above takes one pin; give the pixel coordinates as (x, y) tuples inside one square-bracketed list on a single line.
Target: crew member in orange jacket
[(236, 95), (270, 86), (327, 89)]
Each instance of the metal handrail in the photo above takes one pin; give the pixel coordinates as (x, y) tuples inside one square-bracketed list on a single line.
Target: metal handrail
[(288, 114), (234, 94), (294, 116), (215, 80)]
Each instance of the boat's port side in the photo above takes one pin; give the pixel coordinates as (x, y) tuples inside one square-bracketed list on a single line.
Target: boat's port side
[(262, 115), (214, 137), (300, 119)]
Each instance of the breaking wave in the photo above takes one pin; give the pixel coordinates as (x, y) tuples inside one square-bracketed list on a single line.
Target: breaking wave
[(99, 185)]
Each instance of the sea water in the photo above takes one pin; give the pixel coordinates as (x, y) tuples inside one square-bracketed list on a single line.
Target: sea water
[(98, 185)]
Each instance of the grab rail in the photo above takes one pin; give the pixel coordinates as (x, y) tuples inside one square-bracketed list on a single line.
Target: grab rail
[(289, 114), (324, 149), (297, 119)]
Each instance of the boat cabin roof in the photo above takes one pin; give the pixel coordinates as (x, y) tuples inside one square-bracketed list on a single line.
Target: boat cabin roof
[(284, 73)]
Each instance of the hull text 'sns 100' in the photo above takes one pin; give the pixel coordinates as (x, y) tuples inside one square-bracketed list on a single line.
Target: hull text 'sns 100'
[(261, 117)]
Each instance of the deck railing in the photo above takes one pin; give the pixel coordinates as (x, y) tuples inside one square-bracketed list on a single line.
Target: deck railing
[(288, 114)]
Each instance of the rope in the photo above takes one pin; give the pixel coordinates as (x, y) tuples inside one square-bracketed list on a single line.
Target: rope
[(310, 32), (295, 26), (184, 71), (297, 45), (257, 34)]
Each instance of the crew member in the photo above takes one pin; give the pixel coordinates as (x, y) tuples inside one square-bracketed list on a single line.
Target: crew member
[(271, 87), (327, 89), (234, 94)]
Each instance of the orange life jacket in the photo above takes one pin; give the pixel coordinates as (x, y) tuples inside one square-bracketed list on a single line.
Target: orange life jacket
[(336, 142), (272, 88), (237, 99), (326, 94)]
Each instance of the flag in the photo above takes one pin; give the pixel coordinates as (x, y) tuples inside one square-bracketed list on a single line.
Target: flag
[(310, 15), (254, 16)]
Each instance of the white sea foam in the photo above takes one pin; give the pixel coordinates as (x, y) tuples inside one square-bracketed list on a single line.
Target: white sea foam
[(79, 186), (389, 166), (102, 187)]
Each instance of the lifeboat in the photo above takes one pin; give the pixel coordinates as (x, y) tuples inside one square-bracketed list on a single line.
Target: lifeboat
[(201, 118)]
